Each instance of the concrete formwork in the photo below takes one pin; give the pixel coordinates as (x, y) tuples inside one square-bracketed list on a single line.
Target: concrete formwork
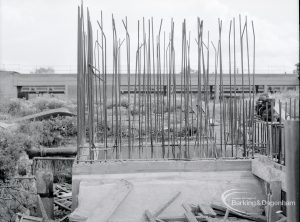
[(155, 182)]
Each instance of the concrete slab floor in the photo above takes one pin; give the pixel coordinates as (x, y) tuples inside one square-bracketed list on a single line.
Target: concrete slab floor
[(151, 190)]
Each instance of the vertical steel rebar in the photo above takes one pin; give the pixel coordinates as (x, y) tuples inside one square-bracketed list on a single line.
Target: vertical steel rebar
[(156, 91)]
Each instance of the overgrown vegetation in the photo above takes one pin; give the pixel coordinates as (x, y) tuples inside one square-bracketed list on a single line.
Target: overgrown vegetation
[(16, 141), (50, 133), (18, 196), (12, 144), (22, 107)]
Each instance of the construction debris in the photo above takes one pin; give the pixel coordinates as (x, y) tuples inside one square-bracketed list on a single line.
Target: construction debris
[(254, 217), (27, 218), (194, 214), (189, 214), (207, 210), (62, 200)]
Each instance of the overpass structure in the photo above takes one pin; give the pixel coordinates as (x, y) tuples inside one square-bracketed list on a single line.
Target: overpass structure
[(17, 85)]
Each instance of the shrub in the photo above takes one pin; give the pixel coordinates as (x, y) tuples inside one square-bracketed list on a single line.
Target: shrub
[(7, 166), (26, 109), (52, 132), (44, 103), (23, 198), (14, 106), (12, 145), (68, 126)]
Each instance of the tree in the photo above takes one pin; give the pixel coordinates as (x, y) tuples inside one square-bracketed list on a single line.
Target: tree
[(43, 70)]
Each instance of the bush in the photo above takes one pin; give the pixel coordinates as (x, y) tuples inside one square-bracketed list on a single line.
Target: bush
[(23, 198), (52, 132), (7, 166), (17, 107), (14, 107), (12, 145), (44, 103)]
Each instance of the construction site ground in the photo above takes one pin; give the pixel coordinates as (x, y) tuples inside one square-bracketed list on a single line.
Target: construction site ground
[(151, 190)]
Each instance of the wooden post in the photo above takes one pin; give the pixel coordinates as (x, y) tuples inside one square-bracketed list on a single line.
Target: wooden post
[(292, 163), (44, 186)]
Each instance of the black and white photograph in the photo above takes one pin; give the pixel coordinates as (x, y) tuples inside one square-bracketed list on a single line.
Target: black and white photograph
[(149, 111)]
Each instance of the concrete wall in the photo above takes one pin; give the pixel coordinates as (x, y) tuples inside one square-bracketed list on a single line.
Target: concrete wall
[(7, 85), (9, 81)]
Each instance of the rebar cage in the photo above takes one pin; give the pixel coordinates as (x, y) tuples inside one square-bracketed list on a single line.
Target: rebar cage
[(152, 112)]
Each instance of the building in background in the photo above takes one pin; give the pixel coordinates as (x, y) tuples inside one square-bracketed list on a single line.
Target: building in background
[(16, 85)]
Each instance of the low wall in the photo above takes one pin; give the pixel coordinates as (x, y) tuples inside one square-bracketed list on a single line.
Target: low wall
[(269, 171)]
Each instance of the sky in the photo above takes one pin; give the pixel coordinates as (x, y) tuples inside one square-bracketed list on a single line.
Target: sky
[(43, 33)]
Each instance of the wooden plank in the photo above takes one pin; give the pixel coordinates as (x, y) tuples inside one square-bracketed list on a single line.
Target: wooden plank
[(207, 210), (172, 218), (63, 218), (219, 212), (226, 215), (63, 197), (258, 218), (109, 205), (187, 207), (26, 218), (190, 217), (62, 205), (162, 208), (204, 218), (149, 216), (62, 188), (188, 214), (179, 218)]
